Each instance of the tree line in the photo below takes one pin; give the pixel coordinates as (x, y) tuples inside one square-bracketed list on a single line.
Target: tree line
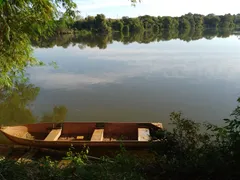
[(101, 24)]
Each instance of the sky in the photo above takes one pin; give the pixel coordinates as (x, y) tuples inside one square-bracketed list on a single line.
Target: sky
[(119, 8)]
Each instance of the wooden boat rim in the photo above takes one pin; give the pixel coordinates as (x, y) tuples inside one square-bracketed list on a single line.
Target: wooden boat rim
[(6, 130), (76, 141), (157, 124)]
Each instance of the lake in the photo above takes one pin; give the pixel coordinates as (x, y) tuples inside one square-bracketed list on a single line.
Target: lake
[(132, 81)]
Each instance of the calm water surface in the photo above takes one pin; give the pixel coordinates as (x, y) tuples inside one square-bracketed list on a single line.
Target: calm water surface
[(140, 82)]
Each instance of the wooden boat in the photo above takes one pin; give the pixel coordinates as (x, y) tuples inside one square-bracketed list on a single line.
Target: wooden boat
[(77, 134)]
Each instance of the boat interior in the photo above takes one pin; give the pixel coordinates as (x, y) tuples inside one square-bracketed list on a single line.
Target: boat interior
[(83, 131)]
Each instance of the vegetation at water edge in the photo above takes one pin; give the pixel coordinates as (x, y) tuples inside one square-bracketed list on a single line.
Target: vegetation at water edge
[(186, 151)]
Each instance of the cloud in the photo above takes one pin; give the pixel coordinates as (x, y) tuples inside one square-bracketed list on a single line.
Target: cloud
[(61, 80), (196, 68), (196, 61), (51, 80)]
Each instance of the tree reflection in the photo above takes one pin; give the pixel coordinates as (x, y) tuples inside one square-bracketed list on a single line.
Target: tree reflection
[(16, 105), (58, 115), (101, 41)]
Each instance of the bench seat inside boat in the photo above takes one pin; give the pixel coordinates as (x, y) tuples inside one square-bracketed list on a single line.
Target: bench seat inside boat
[(143, 134), (53, 135), (97, 135)]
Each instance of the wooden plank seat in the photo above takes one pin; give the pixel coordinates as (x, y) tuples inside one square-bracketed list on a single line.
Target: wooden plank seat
[(143, 134), (53, 135), (97, 135)]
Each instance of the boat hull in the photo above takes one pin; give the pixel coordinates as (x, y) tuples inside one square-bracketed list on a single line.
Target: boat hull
[(129, 144)]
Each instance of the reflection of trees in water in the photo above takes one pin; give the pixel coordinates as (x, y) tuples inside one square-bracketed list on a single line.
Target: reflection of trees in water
[(16, 106), (224, 33), (91, 40), (186, 35), (210, 33), (58, 115), (101, 41)]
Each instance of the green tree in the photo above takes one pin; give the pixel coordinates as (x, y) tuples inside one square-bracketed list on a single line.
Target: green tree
[(227, 21), (101, 24), (211, 21), (134, 24), (170, 23), (21, 21), (89, 23), (184, 24), (117, 25), (63, 25), (147, 21), (237, 20), (159, 22), (191, 20), (126, 30), (199, 21)]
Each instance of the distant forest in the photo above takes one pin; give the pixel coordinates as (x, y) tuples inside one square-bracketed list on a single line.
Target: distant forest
[(103, 25)]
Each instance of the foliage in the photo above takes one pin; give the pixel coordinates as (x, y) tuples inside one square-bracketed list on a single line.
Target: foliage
[(211, 21), (200, 151), (101, 24), (123, 166), (77, 158), (21, 21), (117, 25)]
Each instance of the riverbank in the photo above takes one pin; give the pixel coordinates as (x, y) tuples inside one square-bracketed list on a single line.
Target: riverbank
[(187, 151), (72, 166)]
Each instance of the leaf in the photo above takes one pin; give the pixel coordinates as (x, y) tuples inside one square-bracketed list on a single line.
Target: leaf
[(53, 64), (41, 63)]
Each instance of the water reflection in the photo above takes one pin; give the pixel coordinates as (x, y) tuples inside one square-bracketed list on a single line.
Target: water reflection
[(58, 115), (101, 41), (143, 81), (17, 104)]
